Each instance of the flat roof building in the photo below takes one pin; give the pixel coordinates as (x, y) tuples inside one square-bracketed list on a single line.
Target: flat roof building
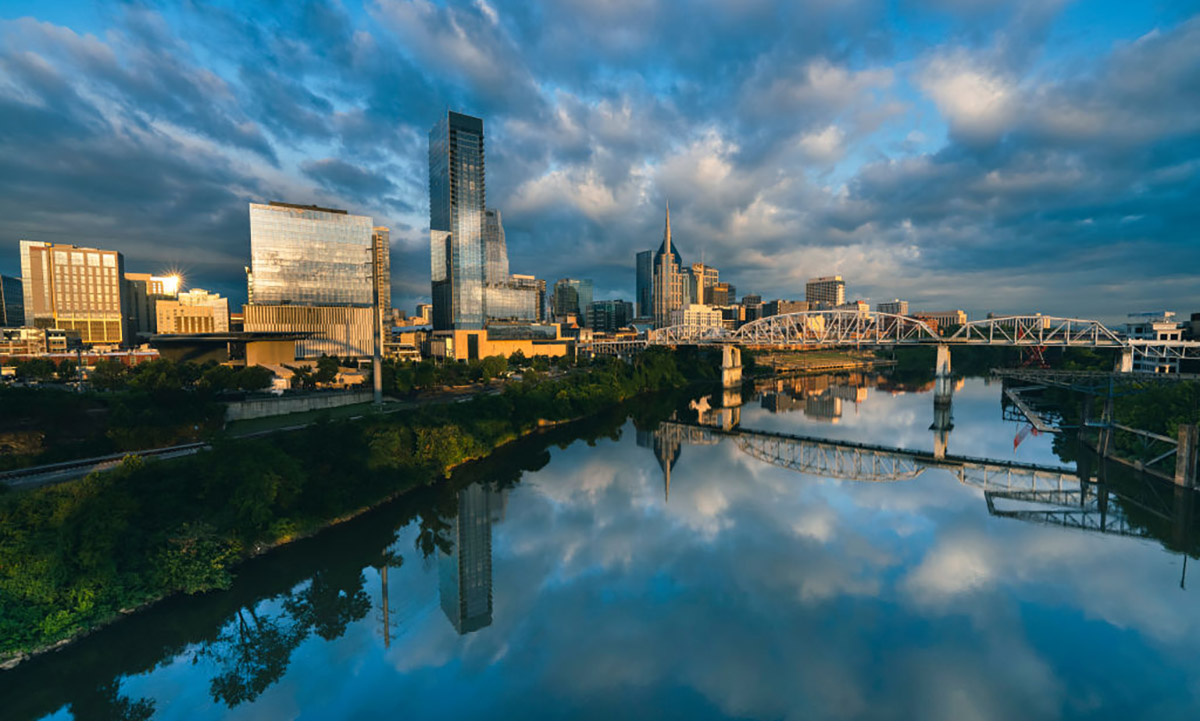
[(68, 287), (827, 292), (12, 302)]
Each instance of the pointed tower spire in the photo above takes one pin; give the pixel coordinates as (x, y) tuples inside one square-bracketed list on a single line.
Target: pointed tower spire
[(667, 231)]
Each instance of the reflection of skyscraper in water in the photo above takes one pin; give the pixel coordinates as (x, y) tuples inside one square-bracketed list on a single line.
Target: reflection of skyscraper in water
[(465, 572), (820, 397), (667, 442)]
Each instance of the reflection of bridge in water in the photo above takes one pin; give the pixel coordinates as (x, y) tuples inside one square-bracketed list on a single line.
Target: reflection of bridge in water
[(1053, 495)]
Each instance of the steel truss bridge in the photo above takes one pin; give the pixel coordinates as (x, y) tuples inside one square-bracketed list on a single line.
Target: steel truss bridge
[(859, 329), (1029, 492)]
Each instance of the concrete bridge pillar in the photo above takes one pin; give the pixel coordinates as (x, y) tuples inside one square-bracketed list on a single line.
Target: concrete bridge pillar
[(942, 365), (1125, 361), (731, 366), (943, 404), (1185, 456)]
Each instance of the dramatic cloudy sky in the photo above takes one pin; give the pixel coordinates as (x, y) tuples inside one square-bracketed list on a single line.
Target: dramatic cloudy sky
[(1035, 155)]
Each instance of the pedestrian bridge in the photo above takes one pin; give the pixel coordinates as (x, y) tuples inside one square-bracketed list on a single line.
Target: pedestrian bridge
[(867, 329)]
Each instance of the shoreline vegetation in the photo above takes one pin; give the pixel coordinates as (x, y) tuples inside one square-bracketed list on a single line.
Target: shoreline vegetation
[(77, 556)]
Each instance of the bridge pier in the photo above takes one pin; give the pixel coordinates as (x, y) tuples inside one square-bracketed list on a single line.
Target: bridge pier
[(731, 366), (1125, 360), (1185, 456), (943, 401)]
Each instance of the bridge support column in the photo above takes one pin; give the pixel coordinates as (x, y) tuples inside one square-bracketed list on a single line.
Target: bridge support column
[(1125, 361), (942, 365), (731, 366), (943, 401), (1185, 456)]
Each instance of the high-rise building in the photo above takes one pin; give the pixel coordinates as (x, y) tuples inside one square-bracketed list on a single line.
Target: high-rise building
[(381, 255), (521, 298), (721, 294), (697, 316), (12, 302), (669, 280), (895, 307), (645, 284), (783, 307), (572, 296), (753, 305), (425, 313), (456, 222), (701, 280), (608, 316), (142, 292), (72, 288), (827, 292), (196, 311), (311, 272), (465, 571), (495, 249)]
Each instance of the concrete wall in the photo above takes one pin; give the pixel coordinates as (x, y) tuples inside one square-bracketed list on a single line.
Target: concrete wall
[(263, 407)]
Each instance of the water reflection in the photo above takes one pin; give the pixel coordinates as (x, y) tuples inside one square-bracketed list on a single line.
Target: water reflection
[(790, 576), (465, 561)]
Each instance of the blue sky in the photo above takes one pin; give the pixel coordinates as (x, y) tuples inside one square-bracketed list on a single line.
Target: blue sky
[(985, 155)]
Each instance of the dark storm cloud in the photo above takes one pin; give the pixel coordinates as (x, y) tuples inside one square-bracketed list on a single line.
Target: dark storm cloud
[(941, 154)]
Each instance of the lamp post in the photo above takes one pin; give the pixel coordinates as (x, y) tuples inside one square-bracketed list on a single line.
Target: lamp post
[(377, 333)]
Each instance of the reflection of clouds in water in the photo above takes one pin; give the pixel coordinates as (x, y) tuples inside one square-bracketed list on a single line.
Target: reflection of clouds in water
[(765, 593)]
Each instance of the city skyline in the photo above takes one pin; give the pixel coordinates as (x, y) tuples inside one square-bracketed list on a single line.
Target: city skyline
[(1023, 170)]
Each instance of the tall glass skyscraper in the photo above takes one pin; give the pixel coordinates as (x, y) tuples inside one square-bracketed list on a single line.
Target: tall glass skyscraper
[(456, 222), (645, 283), (495, 270)]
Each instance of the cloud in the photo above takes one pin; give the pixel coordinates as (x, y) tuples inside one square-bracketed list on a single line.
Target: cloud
[(932, 159)]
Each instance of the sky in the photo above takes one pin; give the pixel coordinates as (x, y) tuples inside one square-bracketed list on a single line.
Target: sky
[(1029, 156)]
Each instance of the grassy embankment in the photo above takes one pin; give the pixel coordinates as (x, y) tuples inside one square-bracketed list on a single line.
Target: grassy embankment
[(74, 556)]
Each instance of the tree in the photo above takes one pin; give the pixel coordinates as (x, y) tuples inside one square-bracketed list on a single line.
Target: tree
[(492, 366), (109, 375), (254, 378), (68, 370), (36, 369), (327, 369)]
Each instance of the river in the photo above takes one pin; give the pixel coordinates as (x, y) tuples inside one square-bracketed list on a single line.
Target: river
[(811, 550)]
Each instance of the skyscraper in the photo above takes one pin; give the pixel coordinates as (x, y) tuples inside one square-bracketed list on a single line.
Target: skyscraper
[(12, 302), (456, 222), (702, 279), (74, 289), (495, 269), (142, 292), (573, 296), (645, 284), (311, 272), (669, 290)]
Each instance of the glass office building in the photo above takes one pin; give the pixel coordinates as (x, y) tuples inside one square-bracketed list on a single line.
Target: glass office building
[(12, 302), (312, 271), (456, 222), (306, 255), (573, 296), (645, 283), (495, 268)]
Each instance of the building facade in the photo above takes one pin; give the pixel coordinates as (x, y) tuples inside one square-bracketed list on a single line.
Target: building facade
[(895, 307), (700, 281), (609, 316), (943, 318), (644, 291), (381, 256), (312, 272), (142, 292), (12, 302), (783, 307), (572, 296), (697, 316), (196, 311), (76, 289), (1154, 326), (457, 200), (824, 293), (495, 248), (669, 280)]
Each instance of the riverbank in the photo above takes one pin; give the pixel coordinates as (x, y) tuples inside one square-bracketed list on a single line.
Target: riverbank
[(77, 556)]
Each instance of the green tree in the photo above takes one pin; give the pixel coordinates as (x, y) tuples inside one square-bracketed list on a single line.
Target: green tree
[(36, 369), (327, 369), (109, 375)]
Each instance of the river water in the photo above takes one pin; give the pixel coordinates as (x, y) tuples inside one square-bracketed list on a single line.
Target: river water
[(725, 563)]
